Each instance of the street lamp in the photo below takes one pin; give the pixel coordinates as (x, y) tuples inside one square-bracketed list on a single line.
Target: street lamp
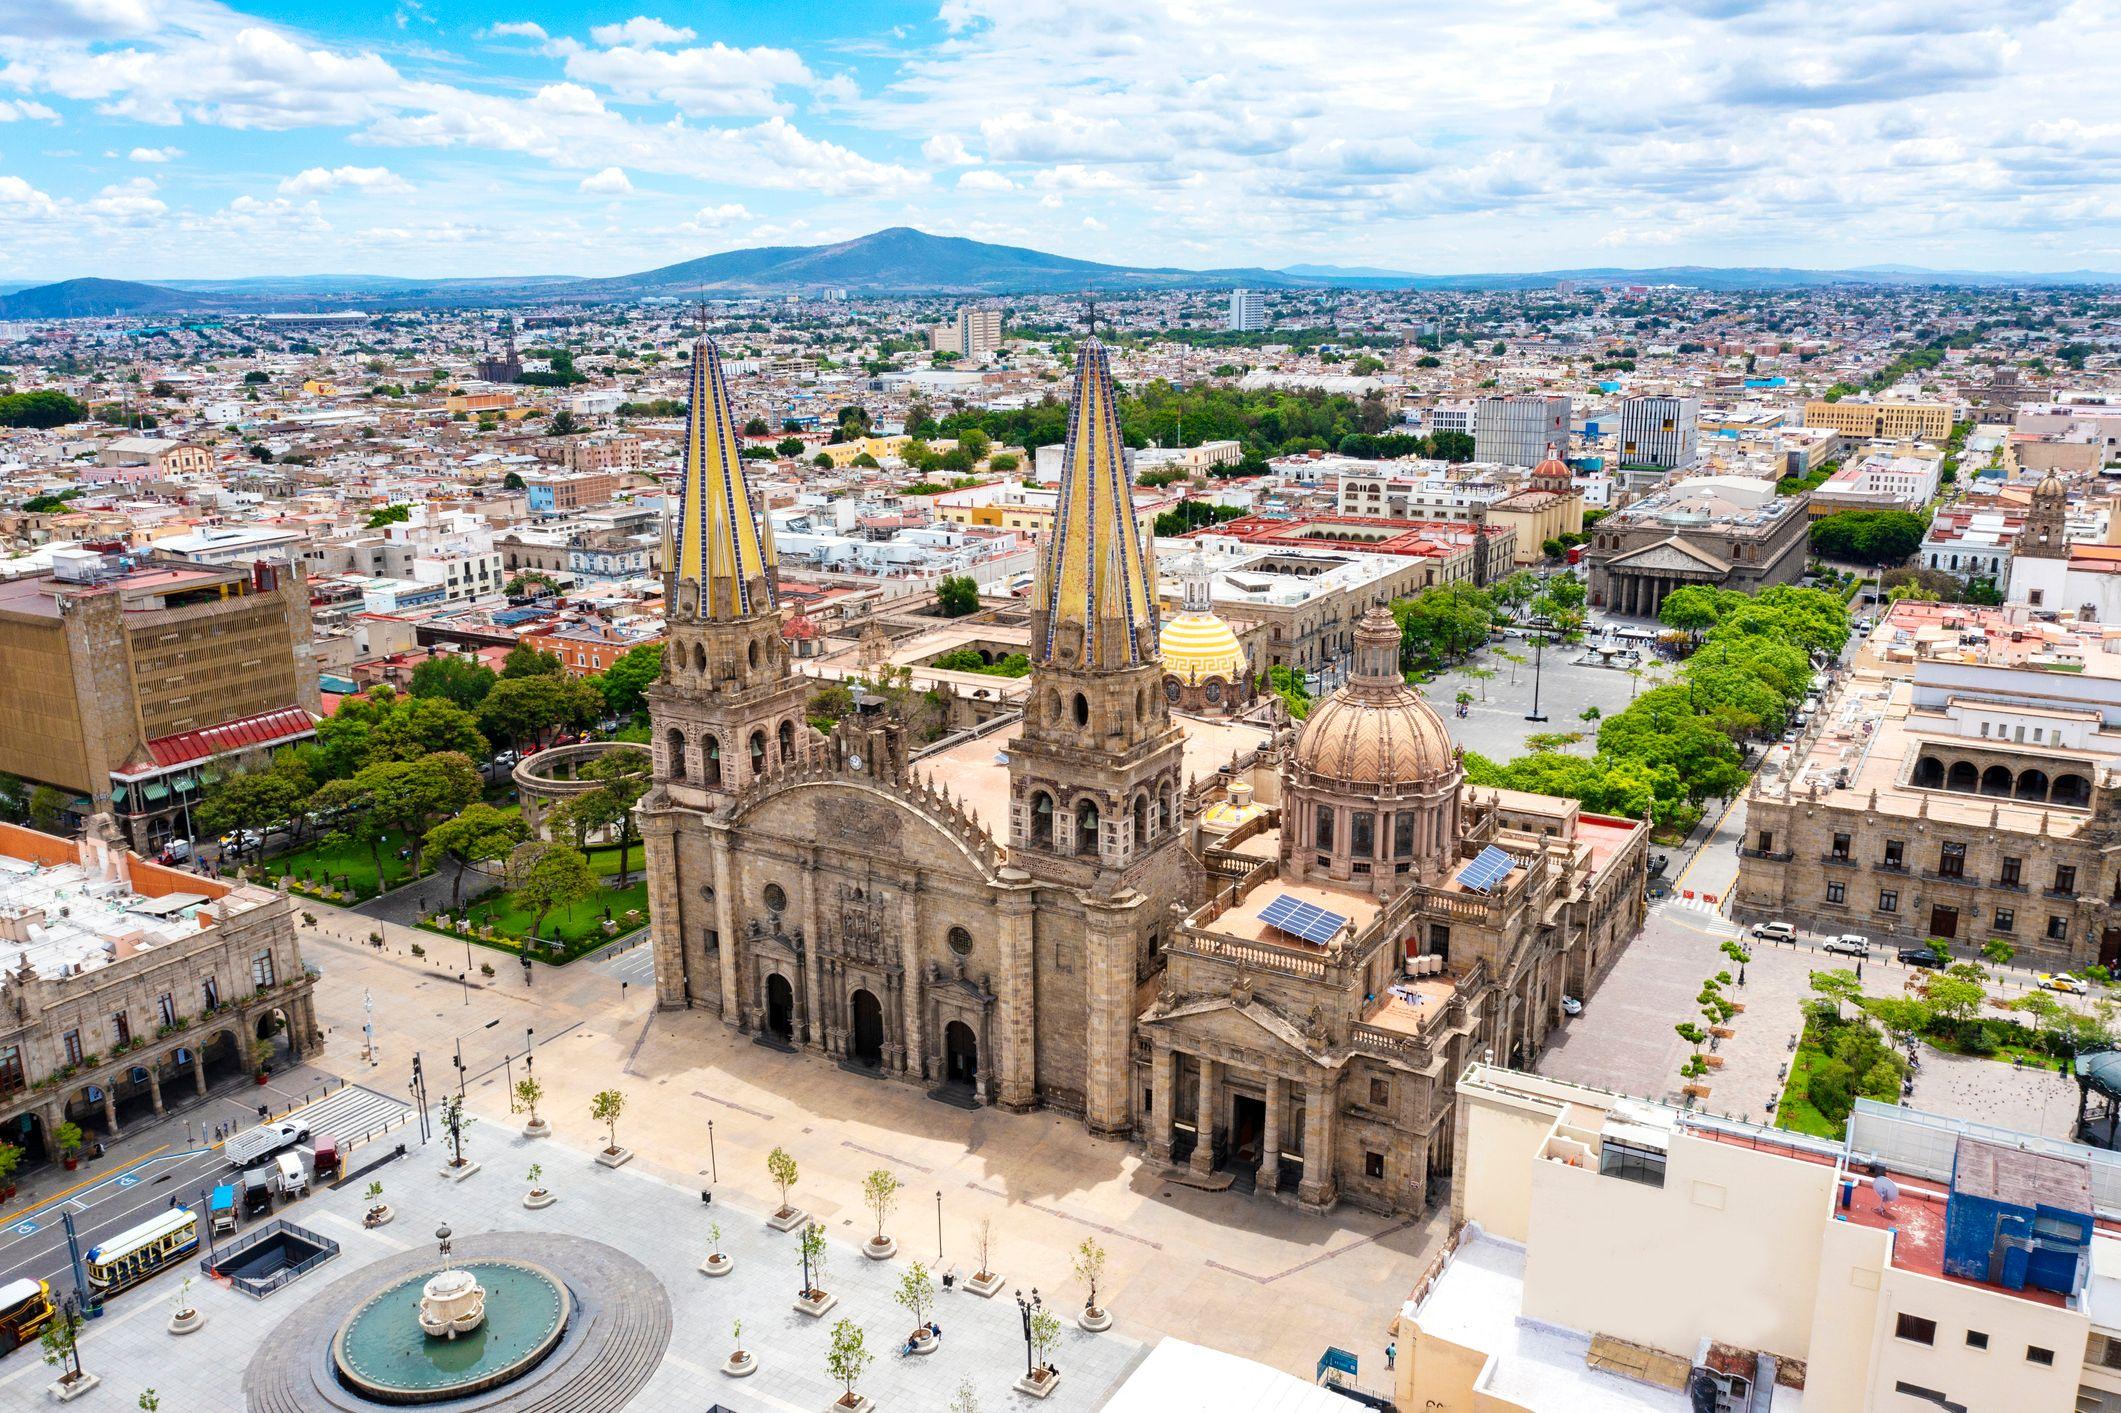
[(1026, 1309), (714, 1169), (1539, 646), (938, 1226)]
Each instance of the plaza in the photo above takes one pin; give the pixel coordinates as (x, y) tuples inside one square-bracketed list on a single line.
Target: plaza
[(1494, 724)]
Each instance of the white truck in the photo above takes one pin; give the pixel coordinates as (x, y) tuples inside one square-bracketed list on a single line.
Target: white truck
[(263, 1141), (290, 1177)]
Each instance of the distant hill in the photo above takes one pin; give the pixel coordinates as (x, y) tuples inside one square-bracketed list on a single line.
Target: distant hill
[(89, 298), (900, 261)]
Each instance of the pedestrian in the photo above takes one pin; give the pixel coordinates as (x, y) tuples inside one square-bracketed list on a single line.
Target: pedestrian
[(1391, 1355)]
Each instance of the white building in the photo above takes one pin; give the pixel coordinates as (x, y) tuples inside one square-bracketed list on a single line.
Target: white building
[(1659, 430), (1454, 417), (1248, 311), (1522, 430), (1902, 478)]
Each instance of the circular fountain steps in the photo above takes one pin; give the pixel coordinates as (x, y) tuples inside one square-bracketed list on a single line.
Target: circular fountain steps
[(615, 1339)]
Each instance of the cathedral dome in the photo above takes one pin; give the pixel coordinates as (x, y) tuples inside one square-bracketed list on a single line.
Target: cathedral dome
[(1376, 732), (1195, 645)]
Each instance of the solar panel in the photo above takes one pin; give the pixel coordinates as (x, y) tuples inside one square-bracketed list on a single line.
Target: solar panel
[(1489, 867), (1301, 919)]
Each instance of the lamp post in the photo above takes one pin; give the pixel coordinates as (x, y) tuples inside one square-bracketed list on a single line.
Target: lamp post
[(1539, 647), (938, 1226), (1026, 1309), (714, 1168)]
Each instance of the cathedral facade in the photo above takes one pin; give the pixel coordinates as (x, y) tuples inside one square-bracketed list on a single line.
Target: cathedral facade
[(1034, 914)]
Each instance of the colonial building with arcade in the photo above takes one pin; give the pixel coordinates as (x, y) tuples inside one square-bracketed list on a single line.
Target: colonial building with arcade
[(1263, 951)]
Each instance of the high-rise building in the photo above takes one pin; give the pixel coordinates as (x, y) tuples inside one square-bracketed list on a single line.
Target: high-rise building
[(129, 677), (1659, 430), (979, 332), (1521, 431), (1248, 311)]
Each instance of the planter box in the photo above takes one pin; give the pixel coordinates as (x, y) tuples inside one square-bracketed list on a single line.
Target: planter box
[(720, 1265), (608, 1159), (988, 1285), (880, 1250), (841, 1405), (926, 1344), (1721, 1032), (185, 1323), (1714, 1062), (378, 1218), (740, 1368), (789, 1220), (459, 1174), (1036, 1388), (540, 1129), (1696, 1091), (816, 1308), (536, 1200), (1095, 1321), (68, 1392)]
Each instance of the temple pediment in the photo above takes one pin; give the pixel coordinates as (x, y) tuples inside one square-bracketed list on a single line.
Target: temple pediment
[(1671, 556)]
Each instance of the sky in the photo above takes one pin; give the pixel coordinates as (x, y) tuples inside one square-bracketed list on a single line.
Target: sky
[(144, 139)]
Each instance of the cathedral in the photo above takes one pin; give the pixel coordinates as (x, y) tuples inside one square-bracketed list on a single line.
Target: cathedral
[(1263, 951)]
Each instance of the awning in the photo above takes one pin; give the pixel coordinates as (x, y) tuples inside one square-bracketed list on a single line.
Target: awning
[(154, 792)]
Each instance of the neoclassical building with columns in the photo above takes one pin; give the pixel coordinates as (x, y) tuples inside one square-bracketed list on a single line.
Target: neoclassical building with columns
[(1045, 911), (1725, 532)]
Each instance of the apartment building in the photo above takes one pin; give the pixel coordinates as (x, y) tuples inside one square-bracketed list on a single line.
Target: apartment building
[(1624, 1254), (616, 451), (557, 493), (979, 332), (1521, 430), (1891, 421), (130, 674), (1660, 431), (129, 984), (155, 456), (1248, 311), (1903, 477)]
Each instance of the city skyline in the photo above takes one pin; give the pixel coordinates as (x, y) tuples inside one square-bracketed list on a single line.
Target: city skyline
[(195, 139)]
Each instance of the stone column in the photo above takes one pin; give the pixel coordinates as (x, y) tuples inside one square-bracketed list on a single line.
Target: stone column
[(813, 1032), (734, 1012), (1163, 1081), (1109, 927), (154, 1087), (666, 908), (198, 1069), (1318, 1187), (1015, 1051), (110, 1109), (1204, 1119), (1270, 1141), (915, 1059)]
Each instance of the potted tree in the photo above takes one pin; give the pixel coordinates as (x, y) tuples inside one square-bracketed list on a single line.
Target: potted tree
[(454, 1122), (528, 1092), (68, 1136), (538, 1196), (815, 1300), (379, 1213), (10, 1159), (916, 1291), (986, 1280), (605, 1107), (780, 1166), (880, 1195), (1042, 1333), (847, 1360), (739, 1364), (261, 1056), (717, 1262), (62, 1351), (184, 1317), (1089, 1270)]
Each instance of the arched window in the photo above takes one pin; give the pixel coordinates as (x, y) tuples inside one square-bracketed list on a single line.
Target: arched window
[(787, 742), (2032, 785), (758, 753), (1323, 825), (2073, 790), (699, 659), (1164, 821), (1042, 820), (1086, 827), (753, 652), (1929, 773), (1082, 710), (1141, 820), (1403, 834), (675, 742), (713, 767), (1996, 780), (1962, 776)]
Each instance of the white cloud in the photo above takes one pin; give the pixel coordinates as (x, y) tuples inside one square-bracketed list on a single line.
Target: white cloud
[(640, 30), (982, 180), (714, 79), (947, 149), (320, 181), (721, 215), (515, 29), (154, 154), (609, 182), (21, 110)]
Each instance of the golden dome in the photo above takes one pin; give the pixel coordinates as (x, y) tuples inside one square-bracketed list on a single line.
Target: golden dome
[(1197, 646), (1376, 732)]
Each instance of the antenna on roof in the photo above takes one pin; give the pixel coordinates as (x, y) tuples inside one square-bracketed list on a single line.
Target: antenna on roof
[(1091, 301)]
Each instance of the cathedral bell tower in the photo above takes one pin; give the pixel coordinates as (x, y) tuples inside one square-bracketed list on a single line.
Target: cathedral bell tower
[(1095, 776), (728, 709)]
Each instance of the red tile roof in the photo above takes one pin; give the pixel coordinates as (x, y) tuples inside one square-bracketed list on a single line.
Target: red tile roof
[(265, 729)]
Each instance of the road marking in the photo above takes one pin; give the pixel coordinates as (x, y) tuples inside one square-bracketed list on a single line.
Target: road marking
[(86, 1184)]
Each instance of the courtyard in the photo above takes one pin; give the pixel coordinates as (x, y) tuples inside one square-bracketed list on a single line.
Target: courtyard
[(1494, 724)]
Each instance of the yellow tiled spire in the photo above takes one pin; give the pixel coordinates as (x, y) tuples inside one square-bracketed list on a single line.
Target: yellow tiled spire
[(722, 551), (1096, 593)]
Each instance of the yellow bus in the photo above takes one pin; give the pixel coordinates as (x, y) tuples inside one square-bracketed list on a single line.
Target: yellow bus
[(25, 1309), (132, 1256)]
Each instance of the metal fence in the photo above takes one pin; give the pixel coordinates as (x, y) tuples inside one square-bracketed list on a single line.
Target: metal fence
[(324, 1249)]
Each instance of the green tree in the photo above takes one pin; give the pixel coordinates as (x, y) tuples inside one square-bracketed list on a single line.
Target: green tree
[(389, 515), (1956, 998), (789, 446), (1692, 609), (780, 1167), (1876, 537), (1998, 951), (957, 595), (605, 1106), (623, 779), (455, 677), (255, 800), (478, 833), (413, 795), (522, 708), (1838, 987), (45, 407), (916, 1292), (563, 424), (847, 1360), (556, 876), (628, 679), (523, 660), (48, 808)]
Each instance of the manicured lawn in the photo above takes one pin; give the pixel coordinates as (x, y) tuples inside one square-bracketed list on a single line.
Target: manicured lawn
[(348, 864), (1796, 1111), (578, 929)]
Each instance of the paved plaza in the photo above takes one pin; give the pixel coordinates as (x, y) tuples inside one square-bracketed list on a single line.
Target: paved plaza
[(1624, 1039), (1496, 728)]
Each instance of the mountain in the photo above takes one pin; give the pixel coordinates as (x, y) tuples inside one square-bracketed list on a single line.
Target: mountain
[(88, 298), (902, 261)]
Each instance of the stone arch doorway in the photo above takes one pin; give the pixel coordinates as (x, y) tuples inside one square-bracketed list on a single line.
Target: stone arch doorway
[(780, 1007), (867, 1042), (26, 1131), (960, 1055)]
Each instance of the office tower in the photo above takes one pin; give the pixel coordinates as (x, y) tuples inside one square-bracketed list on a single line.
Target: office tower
[(1521, 431), (1248, 310), (1658, 431)]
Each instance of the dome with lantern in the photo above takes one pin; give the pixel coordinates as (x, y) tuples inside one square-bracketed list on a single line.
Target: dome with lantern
[(1204, 664)]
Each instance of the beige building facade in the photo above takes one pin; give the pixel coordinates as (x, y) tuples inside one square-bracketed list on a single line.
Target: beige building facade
[(1887, 421)]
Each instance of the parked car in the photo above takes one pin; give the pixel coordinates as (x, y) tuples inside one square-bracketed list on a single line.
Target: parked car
[(1570, 1006), (2063, 982), (1850, 944), (1920, 957), (1659, 863), (1775, 931)]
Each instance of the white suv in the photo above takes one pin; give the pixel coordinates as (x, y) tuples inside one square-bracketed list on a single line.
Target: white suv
[(1775, 931), (1852, 944)]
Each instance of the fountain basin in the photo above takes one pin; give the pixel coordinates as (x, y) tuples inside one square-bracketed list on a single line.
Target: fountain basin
[(381, 1352)]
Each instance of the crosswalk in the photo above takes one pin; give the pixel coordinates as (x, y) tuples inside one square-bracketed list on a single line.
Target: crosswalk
[(350, 1113), (635, 965)]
